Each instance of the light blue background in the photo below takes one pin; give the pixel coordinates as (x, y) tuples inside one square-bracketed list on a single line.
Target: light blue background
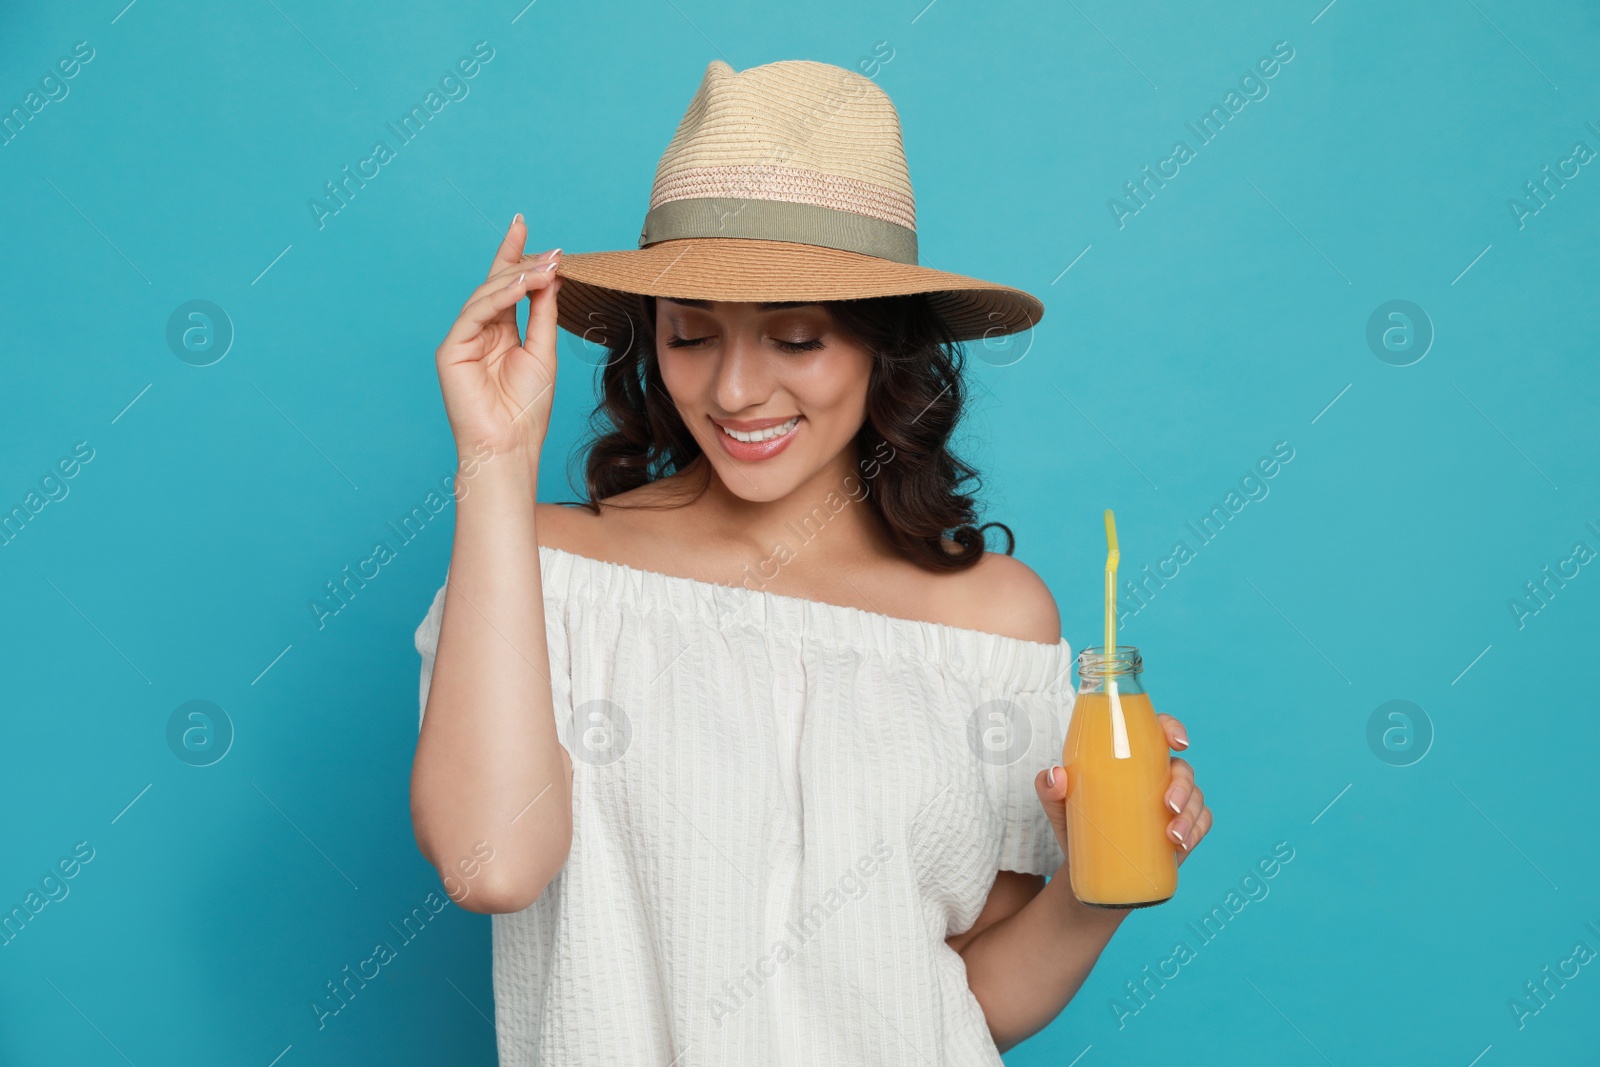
[(1229, 314)]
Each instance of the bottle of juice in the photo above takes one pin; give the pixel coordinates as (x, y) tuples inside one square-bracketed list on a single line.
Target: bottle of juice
[(1118, 767)]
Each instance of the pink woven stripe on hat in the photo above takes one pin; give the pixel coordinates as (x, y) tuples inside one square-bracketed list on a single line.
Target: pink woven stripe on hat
[(765, 181)]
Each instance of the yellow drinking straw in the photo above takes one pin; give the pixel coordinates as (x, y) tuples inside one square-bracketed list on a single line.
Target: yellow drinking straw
[(1119, 724), (1112, 558)]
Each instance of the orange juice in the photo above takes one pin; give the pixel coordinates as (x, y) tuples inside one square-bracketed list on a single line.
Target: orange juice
[(1119, 854)]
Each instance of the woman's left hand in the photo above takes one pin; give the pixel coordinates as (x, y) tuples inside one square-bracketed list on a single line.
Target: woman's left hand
[(1191, 818)]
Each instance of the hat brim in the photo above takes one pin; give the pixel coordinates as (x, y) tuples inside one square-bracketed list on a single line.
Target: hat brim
[(599, 290)]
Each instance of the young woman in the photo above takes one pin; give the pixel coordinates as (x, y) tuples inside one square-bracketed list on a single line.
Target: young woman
[(716, 749)]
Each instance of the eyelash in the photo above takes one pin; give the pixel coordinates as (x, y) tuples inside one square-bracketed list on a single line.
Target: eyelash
[(674, 341)]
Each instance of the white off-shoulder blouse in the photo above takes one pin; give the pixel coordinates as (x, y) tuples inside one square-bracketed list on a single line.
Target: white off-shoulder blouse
[(781, 809)]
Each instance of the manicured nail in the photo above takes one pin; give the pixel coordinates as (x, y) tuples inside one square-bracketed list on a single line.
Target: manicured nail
[(1050, 778), (547, 265), (517, 283), (1183, 739), (1179, 836), (516, 218), (1173, 805)]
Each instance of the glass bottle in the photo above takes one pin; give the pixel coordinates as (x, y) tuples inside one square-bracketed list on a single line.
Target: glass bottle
[(1118, 765)]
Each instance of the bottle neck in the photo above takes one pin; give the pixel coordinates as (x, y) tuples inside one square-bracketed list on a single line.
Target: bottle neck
[(1124, 666)]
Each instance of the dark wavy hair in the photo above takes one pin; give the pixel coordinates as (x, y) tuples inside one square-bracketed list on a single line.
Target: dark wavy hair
[(915, 398)]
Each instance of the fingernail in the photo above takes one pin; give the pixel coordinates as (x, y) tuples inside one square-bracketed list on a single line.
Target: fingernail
[(1050, 778), (518, 281), (1179, 836), (1183, 739), (548, 264), (516, 218), (1173, 805)]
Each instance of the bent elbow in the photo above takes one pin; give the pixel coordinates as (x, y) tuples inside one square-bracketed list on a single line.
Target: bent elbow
[(512, 880), (504, 895), (497, 901)]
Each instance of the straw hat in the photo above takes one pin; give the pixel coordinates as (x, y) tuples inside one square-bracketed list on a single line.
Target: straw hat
[(783, 182)]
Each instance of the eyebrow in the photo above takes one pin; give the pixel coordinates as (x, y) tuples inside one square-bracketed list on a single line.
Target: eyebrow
[(772, 305)]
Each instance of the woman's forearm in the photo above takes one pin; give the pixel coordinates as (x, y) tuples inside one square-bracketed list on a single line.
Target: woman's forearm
[(490, 777), (1025, 968)]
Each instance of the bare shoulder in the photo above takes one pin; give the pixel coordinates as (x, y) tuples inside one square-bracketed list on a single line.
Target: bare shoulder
[(612, 534), (1001, 594), (568, 528)]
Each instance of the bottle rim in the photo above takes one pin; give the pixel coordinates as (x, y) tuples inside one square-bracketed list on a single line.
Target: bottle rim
[(1124, 659)]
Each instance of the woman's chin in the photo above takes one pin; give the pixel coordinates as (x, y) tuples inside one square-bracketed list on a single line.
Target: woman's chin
[(758, 483)]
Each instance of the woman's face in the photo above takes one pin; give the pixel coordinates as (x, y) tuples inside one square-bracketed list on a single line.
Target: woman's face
[(780, 376)]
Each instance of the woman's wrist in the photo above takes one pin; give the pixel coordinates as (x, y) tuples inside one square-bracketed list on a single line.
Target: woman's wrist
[(513, 470), (1059, 897)]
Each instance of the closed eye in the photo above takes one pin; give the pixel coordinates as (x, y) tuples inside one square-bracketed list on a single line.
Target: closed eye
[(674, 341)]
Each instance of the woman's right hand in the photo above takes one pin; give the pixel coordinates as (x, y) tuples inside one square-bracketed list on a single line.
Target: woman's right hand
[(498, 389)]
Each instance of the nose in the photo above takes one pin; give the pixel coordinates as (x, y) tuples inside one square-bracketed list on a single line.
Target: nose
[(744, 373)]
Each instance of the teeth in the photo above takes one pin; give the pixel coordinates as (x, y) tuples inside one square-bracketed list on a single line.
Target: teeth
[(762, 435)]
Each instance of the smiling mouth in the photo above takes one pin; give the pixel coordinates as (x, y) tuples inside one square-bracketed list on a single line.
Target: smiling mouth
[(757, 436)]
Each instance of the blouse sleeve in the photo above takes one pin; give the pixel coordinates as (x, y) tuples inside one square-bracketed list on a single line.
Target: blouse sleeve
[(427, 644), (1028, 841)]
